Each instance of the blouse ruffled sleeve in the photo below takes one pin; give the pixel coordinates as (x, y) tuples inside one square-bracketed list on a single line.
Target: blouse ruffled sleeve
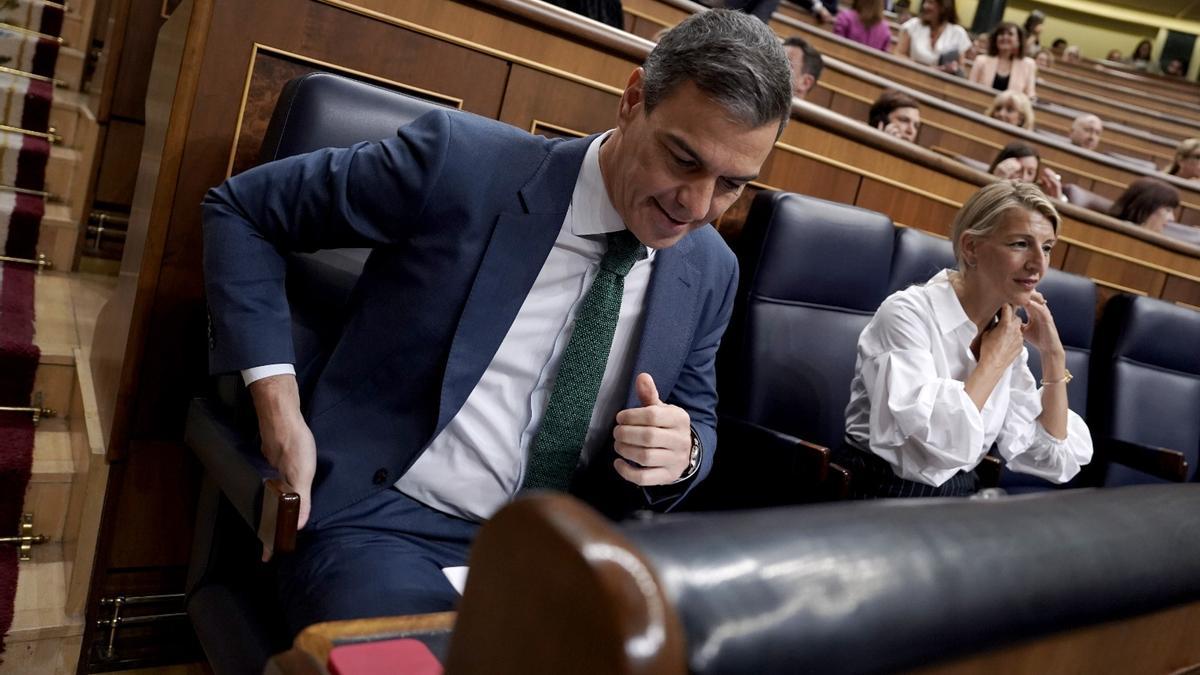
[(1026, 445), (925, 426)]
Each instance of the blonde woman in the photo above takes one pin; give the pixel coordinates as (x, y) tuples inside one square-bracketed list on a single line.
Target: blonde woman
[(1187, 160), (942, 370), (1004, 68), (1012, 107)]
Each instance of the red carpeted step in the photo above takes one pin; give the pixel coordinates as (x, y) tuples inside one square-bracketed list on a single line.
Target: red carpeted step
[(34, 15)]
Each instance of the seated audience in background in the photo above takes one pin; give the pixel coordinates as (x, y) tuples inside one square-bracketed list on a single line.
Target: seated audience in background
[(942, 371), (1021, 162), (896, 113), (605, 11), (979, 45), (1141, 55), (1003, 68), (1058, 47), (1148, 202), (824, 10), (1114, 55), (1044, 59), (1086, 131), (1071, 54), (1175, 68), (1033, 32), (903, 11), (763, 9), (1186, 164), (864, 24), (1012, 107), (806, 63), (934, 37)]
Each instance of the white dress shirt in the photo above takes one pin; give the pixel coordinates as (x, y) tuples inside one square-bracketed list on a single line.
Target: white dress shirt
[(477, 463), (953, 37), (909, 405)]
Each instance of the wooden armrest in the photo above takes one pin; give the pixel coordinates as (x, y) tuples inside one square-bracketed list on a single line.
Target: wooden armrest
[(280, 515), (759, 467), (1160, 462), (989, 471), (774, 450), (837, 484)]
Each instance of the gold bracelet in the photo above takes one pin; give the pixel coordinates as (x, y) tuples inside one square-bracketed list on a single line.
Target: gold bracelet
[(1067, 377)]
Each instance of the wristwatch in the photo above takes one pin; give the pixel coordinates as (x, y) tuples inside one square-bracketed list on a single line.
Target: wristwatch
[(694, 457)]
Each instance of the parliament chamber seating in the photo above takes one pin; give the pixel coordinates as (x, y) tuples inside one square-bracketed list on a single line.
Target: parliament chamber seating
[(230, 600), (1081, 196), (1021, 584)]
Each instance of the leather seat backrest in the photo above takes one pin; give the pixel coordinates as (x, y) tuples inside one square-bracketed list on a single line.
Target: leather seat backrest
[(812, 275), (1146, 379), (918, 256), (1080, 196)]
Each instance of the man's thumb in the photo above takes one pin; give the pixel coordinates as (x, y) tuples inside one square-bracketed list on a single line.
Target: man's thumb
[(646, 391)]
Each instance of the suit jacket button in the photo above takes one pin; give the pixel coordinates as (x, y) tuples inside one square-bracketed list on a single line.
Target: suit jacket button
[(381, 477)]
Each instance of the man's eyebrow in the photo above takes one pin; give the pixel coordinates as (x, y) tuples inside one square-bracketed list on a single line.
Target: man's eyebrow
[(682, 145)]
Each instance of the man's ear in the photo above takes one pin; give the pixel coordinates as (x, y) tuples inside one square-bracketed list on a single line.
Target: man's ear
[(806, 84), (632, 98)]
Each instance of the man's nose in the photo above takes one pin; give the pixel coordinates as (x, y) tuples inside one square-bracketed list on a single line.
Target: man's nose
[(695, 198)]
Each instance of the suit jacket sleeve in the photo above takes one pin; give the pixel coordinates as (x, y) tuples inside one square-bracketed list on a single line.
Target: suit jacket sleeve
[(362, 196)]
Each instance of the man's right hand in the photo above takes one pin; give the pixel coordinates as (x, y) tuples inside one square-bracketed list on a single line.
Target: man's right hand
[(287, 442)]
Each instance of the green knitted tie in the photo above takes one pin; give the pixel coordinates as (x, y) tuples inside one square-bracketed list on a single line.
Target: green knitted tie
[(554, 452)]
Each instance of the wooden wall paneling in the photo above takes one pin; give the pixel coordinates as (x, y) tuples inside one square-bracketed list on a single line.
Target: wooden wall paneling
[(662, 13), (476, 24), (121, 150), (536, 97), (787, 169), (1182, 291), (1113, 272)]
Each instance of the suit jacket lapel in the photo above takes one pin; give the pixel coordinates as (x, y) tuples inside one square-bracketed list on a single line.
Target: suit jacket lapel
[(670, 319), (518, 248)]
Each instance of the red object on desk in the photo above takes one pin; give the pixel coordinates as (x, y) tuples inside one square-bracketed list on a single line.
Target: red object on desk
[(393, 657)]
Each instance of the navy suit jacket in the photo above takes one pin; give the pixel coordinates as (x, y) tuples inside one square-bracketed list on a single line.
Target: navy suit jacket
[(461, 212)]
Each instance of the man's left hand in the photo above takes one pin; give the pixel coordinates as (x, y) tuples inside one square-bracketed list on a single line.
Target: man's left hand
[(654, 442)]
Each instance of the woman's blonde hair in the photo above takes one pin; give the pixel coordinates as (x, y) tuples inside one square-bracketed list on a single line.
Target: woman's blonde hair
[(1186, 147), (1018, 99), (985, 210)]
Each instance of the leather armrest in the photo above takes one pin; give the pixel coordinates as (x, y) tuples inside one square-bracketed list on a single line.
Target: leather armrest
[(1160, 462), (756, 467), (989, 471), (837, 483), (772, 450), (233, 460)]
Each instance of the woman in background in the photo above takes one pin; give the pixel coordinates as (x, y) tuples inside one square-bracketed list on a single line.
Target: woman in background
[(1141, 56), (934, 38), (1148, 202), (942, 371), (1021, 162), (1033, 32), (1012, 107), (1044, 59), (1004, 68), (1186, 164), (864, 24)]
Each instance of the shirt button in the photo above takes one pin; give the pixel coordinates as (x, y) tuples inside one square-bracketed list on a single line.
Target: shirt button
[(381, 477)]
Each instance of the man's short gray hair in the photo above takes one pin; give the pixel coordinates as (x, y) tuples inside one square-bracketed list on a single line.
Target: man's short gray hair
[(730, 56)]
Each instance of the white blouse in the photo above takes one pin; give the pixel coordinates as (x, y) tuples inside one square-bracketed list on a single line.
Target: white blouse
[(920, 49), (909, 405)]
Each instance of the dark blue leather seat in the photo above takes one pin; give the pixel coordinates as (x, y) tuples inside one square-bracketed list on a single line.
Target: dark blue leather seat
[(1146, 384), (230, 599)]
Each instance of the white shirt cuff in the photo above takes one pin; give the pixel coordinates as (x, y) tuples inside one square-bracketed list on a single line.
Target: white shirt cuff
[(259, 372)]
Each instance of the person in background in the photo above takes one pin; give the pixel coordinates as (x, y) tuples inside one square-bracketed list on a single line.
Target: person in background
[(824, 10), (896, 113), (934, 38), (942, 370), (1148, 202), (1186, 164), (864, 24), (1175, 68), (1142, 54), (806, 63), (903, 11), (1021, 162), (1012, 107), (979, 45), (1003, 67), (1086, 131), (605, 11), (1058, 47), (1071, 54), (1044, 59), (1114, 55), (1033, 32), (761, 9)]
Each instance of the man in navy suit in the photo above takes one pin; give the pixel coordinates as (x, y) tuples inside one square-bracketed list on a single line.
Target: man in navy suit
[(514, 281)]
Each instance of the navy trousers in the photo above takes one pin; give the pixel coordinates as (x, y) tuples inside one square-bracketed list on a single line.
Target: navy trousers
[(380, 557)]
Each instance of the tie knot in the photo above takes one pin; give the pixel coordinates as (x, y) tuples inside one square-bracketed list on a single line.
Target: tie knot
[(624, 250)]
